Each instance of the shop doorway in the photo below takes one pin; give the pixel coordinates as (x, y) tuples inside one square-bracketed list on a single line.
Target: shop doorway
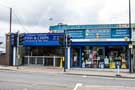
[(76, 57)]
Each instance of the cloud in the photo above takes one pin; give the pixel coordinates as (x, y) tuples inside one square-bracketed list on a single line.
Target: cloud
[(34, 15), (4, 14), (115, 11), (83, 12), (38, 12)]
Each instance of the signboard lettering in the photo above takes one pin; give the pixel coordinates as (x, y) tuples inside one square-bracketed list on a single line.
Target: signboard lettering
[(42, 38)]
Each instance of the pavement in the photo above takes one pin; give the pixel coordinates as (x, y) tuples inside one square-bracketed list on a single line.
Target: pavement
[(124, 73), (94, 87), (32, 68)]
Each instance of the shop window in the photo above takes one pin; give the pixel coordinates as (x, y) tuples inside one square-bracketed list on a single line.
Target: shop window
[(100, 52)]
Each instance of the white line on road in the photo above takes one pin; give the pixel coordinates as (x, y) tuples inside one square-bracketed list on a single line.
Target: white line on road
[(77, 85), (25, 89), (84, 76)]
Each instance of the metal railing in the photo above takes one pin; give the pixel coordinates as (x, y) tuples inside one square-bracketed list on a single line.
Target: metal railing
[(43, 60)]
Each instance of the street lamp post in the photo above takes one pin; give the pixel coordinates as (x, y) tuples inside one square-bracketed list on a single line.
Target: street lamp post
[(10, 20), (130, 40), (10, 28)]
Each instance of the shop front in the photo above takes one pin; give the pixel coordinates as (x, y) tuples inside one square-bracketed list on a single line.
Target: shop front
[(98, 46), (133, 46), (100, 55), (39, 48)]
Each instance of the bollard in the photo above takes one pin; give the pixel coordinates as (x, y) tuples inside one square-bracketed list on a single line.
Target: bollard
[(118, 70), (61, 62)]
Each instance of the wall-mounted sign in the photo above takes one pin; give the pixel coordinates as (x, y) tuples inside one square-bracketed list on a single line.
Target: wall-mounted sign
[(41, 38), (107, 33), (123, 25), (102, 33), (120, 33), (76, 33)]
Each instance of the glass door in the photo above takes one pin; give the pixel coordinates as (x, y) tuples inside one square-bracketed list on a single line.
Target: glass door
[(75, 61)]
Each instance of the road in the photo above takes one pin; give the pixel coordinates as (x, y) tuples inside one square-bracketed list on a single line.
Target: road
[(13, 80)]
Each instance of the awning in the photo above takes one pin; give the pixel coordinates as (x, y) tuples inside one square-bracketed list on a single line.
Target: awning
[(100, 43)]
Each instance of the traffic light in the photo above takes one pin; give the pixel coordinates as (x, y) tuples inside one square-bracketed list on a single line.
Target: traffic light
[(69, 41), (21, 39), (61, 40), (15, 39)]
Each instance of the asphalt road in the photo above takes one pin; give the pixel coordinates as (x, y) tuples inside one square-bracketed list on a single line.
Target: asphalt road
[(12, 80)]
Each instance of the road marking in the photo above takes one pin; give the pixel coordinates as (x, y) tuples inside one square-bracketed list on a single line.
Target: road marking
[(25, 89), (77, 85), (84, 76)]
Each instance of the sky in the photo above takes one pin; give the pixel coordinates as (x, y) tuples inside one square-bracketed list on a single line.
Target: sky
[(37, 15)]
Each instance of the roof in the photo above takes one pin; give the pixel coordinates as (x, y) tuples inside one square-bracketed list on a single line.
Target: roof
[(66, 27)]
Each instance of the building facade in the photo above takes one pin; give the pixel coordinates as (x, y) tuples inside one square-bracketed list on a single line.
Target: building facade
[(97, 46), (36, 48), (93, 46)]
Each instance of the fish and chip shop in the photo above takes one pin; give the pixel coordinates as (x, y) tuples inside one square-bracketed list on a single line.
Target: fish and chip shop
[(93, 46), (39, 48)]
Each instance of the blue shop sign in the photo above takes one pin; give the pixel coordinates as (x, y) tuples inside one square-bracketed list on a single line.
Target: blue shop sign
[(107, 33), (120, 33), (76, 34), (39, 39), (102, 33), (100, 43)]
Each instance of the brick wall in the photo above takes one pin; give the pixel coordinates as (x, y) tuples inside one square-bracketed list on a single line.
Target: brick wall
[(3, 60)]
